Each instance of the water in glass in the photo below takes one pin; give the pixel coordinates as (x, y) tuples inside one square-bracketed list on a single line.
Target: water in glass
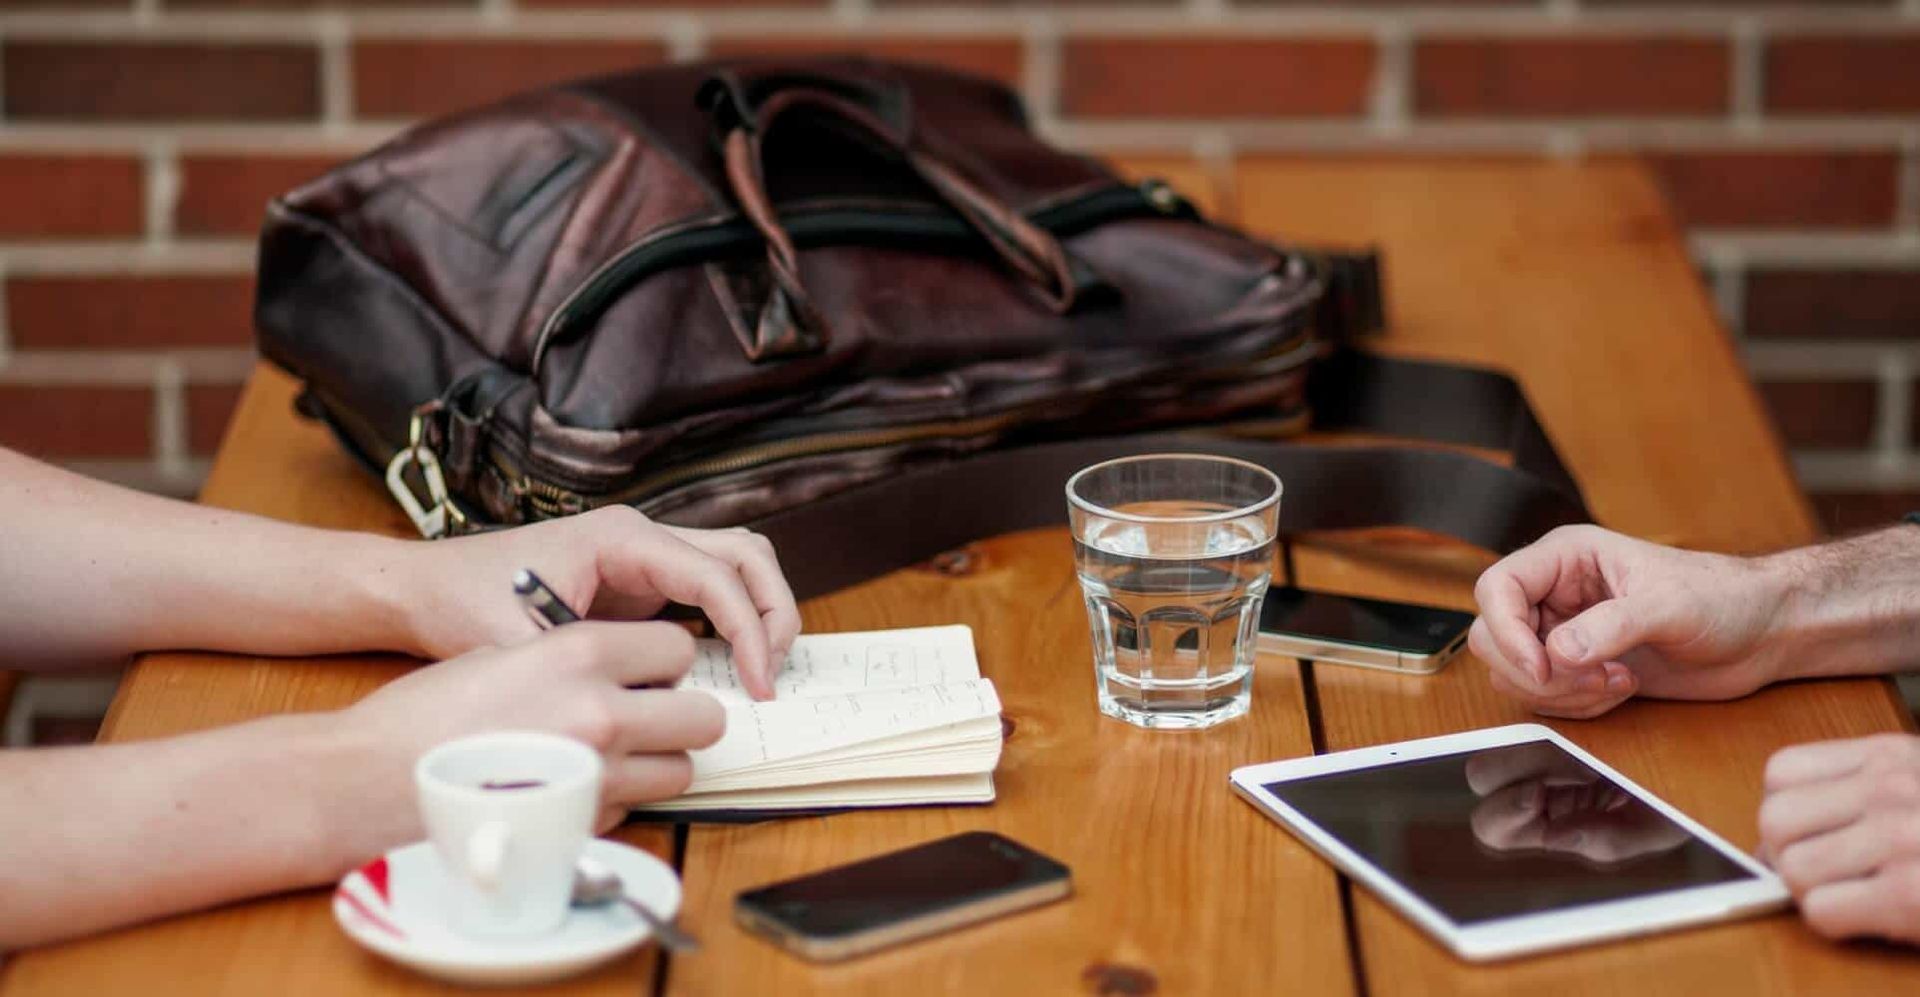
[(1174, 608)]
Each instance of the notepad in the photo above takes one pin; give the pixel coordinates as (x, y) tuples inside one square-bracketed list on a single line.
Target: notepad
[(874, 719)]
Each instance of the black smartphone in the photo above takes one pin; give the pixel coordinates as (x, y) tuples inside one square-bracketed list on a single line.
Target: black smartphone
[(854, 909), (1371, 633)]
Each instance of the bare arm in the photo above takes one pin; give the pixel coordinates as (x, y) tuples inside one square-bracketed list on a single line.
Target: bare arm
[(99, 837), (1585, 618), (92, 572)]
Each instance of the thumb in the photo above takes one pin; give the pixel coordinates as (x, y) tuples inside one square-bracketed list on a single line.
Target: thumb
[(1604, 632)]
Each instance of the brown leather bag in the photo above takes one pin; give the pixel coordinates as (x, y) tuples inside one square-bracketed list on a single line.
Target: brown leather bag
[(856, 305)]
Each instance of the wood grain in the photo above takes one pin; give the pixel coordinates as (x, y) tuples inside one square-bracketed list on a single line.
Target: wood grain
[(1571, 276), (291, 469), (1172, 873)]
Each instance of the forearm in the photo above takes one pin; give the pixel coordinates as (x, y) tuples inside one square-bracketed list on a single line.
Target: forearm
[(1851, 607), (94, 572), (98, 837)]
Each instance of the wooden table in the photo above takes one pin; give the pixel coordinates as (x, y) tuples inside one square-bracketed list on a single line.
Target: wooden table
[(1569, 274)]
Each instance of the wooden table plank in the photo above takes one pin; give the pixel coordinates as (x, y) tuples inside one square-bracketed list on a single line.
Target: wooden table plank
[(1172, 874), (278, 466), (1571, 276)]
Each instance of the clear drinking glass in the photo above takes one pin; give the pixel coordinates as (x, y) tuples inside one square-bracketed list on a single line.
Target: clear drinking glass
[(1174, 553)]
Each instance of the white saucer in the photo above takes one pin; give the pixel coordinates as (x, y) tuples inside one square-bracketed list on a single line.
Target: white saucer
[(392, 906)]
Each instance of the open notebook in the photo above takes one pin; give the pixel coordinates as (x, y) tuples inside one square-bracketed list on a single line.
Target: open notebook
[(877, 719)]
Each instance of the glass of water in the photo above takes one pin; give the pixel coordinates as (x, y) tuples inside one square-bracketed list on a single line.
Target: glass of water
[(1174, 552)]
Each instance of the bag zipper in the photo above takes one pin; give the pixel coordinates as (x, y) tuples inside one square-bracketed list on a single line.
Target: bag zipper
[(831, 227), (549, 500)]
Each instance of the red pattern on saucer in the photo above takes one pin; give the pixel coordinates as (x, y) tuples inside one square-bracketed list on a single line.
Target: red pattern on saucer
[(374, 875)]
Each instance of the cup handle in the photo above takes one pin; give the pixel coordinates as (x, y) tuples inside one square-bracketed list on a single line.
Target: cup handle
[(487, 853)]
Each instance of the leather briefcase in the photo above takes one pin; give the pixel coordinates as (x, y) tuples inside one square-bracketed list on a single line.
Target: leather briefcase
[(856, 305)]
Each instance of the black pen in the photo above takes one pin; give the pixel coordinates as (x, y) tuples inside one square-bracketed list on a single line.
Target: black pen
[(546, 608)]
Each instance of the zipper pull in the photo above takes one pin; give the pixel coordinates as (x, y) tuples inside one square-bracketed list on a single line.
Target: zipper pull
[(1163, 197)]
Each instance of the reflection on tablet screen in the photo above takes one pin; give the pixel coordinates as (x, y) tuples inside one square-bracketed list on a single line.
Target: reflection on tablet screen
[(1518, 829)]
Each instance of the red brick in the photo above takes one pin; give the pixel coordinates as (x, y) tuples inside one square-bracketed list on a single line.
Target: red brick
[(407, 78), (1823, 415), (68, 197), (1215, 77), (1833, 304), (79, 421), (994, 58), (228, 194), (147, 81), (209, 409), (1796, 188), (1570, 76), (1852, 512), (1845, 75), (128, 312)]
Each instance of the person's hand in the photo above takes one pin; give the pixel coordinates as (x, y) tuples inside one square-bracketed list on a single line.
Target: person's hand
[(1841, 824), (1537, 798), (1584, 618), (573, 681), (612, 563)]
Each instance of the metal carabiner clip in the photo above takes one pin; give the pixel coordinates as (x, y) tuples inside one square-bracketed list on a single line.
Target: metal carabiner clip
[(442, 516)]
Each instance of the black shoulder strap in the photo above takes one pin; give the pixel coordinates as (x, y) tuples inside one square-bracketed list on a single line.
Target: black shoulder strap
[(848, 537), (869, 530)]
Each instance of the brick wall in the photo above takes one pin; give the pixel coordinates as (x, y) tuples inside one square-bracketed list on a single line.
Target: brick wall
[(139, 139)]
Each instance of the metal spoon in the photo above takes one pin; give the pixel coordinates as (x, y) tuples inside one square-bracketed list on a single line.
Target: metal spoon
[(595, 885)]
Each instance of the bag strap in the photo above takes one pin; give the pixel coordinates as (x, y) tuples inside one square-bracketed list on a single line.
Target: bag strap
[(848, 537)]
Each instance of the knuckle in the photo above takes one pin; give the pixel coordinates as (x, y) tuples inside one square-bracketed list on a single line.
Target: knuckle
[(1773, 821), (1897, 788), (1889, 751), (1905, 881), (674, 645), (676, 772), (1796, 868), (1824, 919), (1902, 833), (709, 721), (596, 725)]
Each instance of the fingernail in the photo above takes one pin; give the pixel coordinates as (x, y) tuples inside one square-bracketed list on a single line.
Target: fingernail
[(1572, 643), (1618, 682), (1590, 682)]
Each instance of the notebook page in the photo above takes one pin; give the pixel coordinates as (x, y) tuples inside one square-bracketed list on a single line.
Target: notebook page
[(827, 664), (758, 733)]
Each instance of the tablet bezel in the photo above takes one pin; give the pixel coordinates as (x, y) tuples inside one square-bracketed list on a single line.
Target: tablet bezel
[(1526, 933)]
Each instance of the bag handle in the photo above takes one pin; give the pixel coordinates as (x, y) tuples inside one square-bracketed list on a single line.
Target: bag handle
[(745, 107)]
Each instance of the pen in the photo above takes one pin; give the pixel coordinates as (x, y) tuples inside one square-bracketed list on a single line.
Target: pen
[(546, 608)]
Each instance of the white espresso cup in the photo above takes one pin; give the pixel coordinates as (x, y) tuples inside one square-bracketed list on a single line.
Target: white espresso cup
[(509, 813)]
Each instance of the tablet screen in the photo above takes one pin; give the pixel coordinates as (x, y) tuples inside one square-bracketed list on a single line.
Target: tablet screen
[(1500, 832)]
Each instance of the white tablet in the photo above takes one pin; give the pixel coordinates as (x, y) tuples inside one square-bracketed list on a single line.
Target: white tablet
[(1510, 840)]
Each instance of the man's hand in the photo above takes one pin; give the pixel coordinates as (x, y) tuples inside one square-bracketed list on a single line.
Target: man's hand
[(577, 681), (1535, 797), (1841, 824), (1578, 622), (612, 563)]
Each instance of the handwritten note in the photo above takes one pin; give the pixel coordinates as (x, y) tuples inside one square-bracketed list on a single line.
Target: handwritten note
[(825, 664), (758, 733)]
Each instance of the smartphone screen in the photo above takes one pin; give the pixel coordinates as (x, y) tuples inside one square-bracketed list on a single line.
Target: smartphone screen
[(967, 870), (1389, 626)]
